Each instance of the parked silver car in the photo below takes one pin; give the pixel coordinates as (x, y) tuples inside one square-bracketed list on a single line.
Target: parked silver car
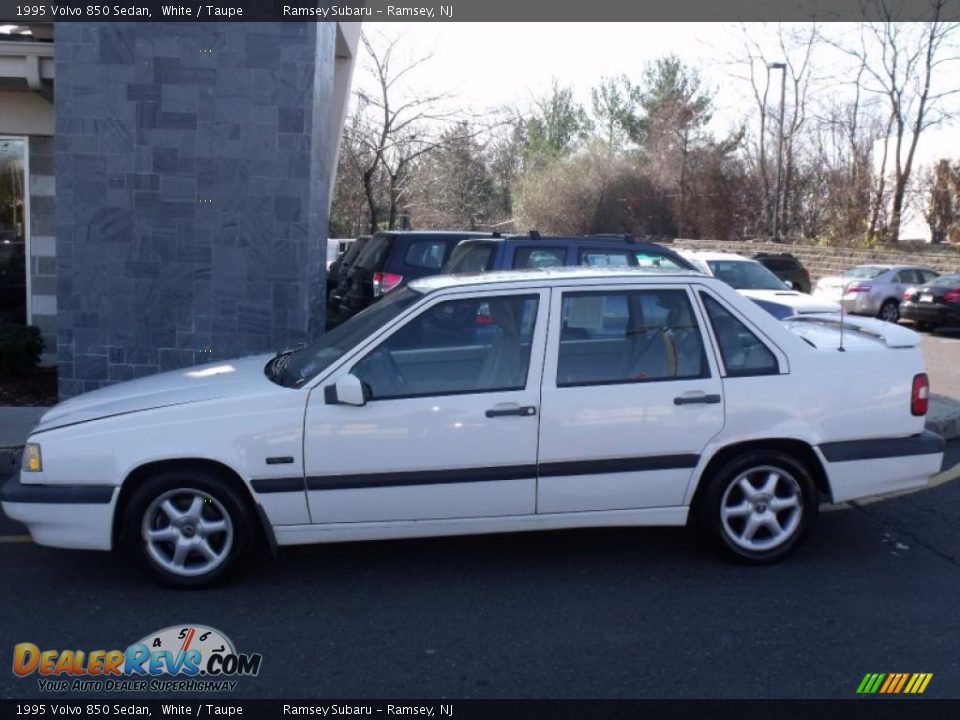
[(873, 289)]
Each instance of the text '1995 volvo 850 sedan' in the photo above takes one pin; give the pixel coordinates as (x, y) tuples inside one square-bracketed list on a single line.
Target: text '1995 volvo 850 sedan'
[(501, 402)]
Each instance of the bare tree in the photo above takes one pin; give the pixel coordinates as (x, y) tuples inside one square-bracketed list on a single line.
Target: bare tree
[(395, 126), (901, 61)]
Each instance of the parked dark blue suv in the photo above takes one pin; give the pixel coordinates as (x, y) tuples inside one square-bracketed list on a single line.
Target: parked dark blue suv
[(532, 250)]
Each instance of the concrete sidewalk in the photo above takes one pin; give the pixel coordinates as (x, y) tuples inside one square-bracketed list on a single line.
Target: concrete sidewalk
[(17, 422)]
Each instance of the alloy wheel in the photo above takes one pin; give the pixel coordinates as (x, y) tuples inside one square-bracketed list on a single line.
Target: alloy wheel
[(761, 508), (187, 532)]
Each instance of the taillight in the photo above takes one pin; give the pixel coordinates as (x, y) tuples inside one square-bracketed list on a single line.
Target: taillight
[(952, 296), (920, 394), (858, 288), (385, 282)]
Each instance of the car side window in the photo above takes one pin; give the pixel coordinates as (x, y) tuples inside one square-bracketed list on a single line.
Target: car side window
[(627, 337), (908, 276), (426, 254), (743, 353), (647, 259), (928, 275), (455, 347), (604, 258), (539, 257)]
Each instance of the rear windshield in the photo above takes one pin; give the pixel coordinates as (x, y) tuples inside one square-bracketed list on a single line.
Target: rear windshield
[(945, 280), (865, 272), (353, 250), (745, 275), (470, 257), (374, 254)]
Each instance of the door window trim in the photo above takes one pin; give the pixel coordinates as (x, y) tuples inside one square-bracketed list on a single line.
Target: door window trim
[(537, 344), (552, 355)]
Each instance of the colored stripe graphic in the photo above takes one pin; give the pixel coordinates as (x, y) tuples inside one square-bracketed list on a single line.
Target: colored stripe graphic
[(894, 683)]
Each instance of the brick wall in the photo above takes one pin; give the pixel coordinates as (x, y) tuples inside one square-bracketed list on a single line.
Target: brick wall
[(823, 261), (43, 261), (192, 185)]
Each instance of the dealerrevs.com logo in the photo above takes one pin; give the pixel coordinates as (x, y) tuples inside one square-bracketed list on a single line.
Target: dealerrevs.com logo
[(178, 658)]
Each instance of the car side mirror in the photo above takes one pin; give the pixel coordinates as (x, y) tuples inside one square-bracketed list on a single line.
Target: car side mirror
[(348, 390)]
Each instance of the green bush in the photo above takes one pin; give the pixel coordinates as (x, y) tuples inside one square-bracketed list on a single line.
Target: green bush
[(20, 348)]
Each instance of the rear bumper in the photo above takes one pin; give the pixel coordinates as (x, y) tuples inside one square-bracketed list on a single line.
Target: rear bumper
[(929, 312), (67, 516), (875, 466)]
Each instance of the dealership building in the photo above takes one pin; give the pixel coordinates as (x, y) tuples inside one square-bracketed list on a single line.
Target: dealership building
[(165, 188)]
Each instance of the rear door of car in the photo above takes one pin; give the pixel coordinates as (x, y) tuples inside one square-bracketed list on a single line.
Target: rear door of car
[(631, 396)]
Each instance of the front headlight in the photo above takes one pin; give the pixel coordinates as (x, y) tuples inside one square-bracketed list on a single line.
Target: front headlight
[(32, 460)]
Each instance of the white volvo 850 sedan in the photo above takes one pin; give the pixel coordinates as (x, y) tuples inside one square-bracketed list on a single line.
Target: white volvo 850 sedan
[(501, 402)]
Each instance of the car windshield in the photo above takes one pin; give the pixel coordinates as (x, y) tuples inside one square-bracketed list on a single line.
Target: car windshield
[(865, 272), (946, 280), (305, 363), (745, 275)]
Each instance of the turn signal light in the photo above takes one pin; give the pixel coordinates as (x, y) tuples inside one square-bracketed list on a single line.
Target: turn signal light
[(32, 461)]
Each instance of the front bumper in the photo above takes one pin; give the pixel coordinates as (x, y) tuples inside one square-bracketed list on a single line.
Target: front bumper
[(66, 516)]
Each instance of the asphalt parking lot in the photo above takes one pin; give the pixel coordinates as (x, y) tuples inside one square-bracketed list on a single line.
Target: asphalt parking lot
[(585, 614), (942, 353)]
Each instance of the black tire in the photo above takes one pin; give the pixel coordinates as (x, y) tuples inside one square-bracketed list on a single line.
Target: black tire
[(889, 311), (180, 487), (723, 490)]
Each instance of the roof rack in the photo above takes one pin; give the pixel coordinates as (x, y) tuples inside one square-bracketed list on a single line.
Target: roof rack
[(534, 235), (624, 237)]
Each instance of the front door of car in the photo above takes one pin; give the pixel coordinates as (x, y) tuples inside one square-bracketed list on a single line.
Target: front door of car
[(631, 397), (449, 427)]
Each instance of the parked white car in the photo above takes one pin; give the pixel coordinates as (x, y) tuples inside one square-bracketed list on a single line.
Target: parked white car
[(536, 400), (758, 283), (873, 289)]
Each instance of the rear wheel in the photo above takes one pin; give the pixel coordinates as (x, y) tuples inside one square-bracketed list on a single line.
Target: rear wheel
[(759, 505), (186, 528), (889, 311)]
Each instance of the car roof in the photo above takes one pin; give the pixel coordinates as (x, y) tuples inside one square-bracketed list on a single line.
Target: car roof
[(435, 233), (712, 255), (552, 275)]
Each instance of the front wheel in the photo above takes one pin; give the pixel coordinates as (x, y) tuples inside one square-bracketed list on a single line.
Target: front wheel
[(186, 528), (889, 311), (760, 505)]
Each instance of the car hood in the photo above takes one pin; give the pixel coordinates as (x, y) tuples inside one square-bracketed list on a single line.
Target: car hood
[(194, 384), (800, 302)]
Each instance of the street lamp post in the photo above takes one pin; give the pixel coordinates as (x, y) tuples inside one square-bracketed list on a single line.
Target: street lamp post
[(782, 67)]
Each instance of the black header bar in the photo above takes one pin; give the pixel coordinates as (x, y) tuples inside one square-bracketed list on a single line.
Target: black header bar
[(25, 11)]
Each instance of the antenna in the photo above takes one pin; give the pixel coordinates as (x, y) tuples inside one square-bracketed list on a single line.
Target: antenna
[(843, 288)]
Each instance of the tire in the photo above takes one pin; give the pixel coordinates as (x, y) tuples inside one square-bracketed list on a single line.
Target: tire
[(726, 493), (177, 506), (889, 311), (924, 327)]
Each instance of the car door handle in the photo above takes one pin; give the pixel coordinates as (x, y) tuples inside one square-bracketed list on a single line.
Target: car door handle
[(696, 400), (506, 410)]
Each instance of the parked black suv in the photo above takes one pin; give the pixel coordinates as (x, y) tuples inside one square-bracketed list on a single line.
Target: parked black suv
[(786, 267), (337, 272), (395, 258), (532, 250)]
